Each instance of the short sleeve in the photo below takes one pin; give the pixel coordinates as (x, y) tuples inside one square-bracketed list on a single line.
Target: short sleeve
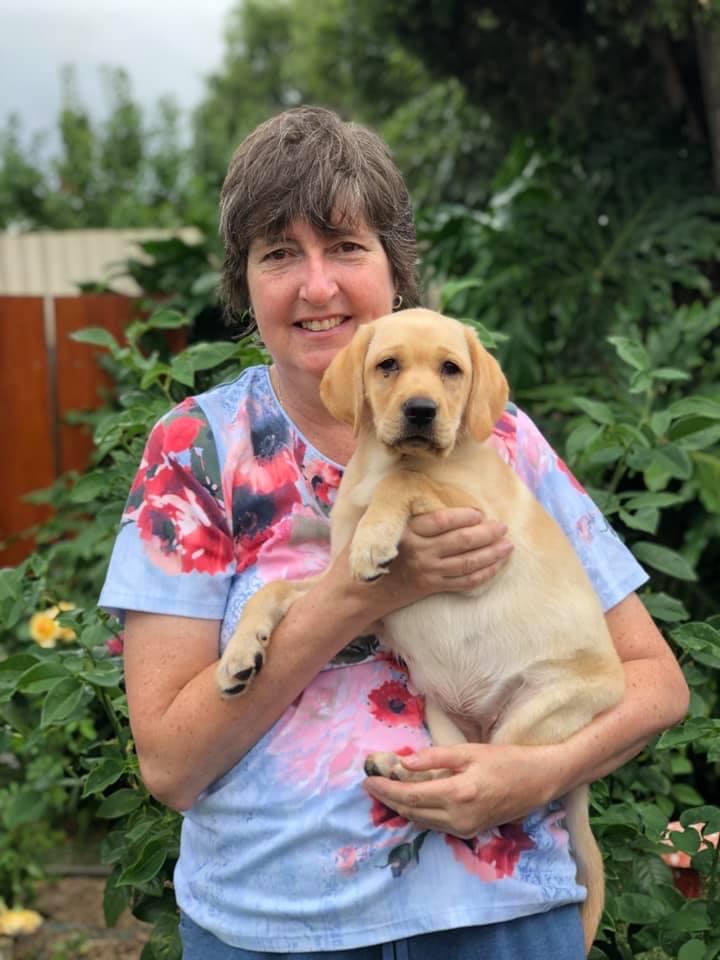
[(613, 570), (174, 551)]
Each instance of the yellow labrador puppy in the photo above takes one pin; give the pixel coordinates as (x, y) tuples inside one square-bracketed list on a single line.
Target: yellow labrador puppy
[(526, 657)]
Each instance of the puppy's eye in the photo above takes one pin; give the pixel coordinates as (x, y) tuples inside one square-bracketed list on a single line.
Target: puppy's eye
[(450, 369), (388, 366)]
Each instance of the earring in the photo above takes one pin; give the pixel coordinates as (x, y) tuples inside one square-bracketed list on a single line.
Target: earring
[(251, 312), (397, 301)]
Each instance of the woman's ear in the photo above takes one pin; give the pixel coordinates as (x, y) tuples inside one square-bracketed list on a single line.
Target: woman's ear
[(342, 388), (489, 390)]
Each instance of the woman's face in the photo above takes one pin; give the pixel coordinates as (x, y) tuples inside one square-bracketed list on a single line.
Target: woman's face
[(310, 291)]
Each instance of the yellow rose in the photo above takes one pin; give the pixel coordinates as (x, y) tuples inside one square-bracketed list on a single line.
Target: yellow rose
[(46, 631), (17, 921), (44, 628)]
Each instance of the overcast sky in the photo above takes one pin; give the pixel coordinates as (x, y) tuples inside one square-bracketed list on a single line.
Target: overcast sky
[(167, 46)]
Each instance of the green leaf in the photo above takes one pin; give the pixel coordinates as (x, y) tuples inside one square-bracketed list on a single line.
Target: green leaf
[(669, 373), (632, 352), (26, 806), (692, 950), (115, 899), (701, 641), (167, 320), (691, 731), (42, 677), (165, 939), (103, 774), (641, 501), (665, 608), (597, 411), (97, 336), (664, 559), (685, 795), (62, 700), (691, 917), (646, 520), (205, 356), (14, 667), (705, 813), (638, 908), (106, 674), (119, 803), (148, 864), (182, 369), (88, 487), (696, 407)]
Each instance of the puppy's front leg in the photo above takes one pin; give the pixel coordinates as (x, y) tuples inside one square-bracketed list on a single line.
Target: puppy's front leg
[(244, 655), (375, 541)]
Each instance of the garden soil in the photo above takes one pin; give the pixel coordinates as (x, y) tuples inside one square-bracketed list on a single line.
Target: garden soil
[(74, 927)]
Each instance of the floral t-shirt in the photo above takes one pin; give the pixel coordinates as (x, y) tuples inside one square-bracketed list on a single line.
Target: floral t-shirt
[(286, 852)]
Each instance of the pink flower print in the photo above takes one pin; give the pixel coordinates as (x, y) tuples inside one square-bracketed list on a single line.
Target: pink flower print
[(584, 527), (298, 547)]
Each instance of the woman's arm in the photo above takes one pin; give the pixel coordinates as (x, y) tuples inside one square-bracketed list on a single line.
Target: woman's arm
[(187, 735), (494, 784)]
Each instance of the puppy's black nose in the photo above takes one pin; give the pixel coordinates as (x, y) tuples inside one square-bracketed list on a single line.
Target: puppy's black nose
[(420, 411)]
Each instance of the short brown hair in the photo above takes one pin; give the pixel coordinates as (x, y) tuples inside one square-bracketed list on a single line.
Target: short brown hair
[(308, 164)]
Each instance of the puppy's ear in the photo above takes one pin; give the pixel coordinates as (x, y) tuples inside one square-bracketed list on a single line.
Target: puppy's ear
[(489, 391), (342, 388)]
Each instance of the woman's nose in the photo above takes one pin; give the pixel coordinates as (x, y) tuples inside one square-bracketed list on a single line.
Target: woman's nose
[(318, 285)]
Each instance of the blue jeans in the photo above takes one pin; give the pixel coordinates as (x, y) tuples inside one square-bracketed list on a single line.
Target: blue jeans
[(556, 934)]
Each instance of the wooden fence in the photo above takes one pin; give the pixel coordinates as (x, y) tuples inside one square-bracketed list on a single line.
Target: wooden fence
[(43, 376)]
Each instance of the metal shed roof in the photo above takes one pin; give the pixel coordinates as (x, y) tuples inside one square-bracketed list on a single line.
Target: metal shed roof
[(52, 263)]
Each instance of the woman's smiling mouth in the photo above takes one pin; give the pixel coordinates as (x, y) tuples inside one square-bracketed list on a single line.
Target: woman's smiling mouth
[(321, 323)]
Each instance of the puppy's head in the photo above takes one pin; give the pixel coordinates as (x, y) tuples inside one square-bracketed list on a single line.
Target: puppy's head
[(417, 379)]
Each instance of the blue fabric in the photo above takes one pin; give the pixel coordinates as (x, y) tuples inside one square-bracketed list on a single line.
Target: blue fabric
[(286, 851), (554, 935)]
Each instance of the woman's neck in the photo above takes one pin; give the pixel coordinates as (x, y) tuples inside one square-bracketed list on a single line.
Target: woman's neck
[(300, 398)]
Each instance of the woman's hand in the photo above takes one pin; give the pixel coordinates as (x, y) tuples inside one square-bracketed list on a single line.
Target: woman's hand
[(448, 551), (489, 784)]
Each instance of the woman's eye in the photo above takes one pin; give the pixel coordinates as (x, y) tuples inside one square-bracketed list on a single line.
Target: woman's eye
[(450, 369), (278, 254), (349, 246), (388, 366)]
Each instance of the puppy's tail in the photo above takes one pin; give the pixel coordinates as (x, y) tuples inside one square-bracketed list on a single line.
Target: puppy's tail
[(590, 870)]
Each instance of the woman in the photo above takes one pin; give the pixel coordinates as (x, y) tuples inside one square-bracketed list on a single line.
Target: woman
[(286, 847)]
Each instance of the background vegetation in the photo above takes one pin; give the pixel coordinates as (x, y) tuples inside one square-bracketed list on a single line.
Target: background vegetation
[(564, 163)]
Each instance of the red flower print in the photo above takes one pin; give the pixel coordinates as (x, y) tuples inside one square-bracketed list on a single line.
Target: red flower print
[(324, 479), (183, 524), (383, 816), (563, 468), (492, 855), (172, 435), (393, 704)]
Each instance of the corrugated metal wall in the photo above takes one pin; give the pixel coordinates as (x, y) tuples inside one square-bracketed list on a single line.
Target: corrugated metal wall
[(54, 262)]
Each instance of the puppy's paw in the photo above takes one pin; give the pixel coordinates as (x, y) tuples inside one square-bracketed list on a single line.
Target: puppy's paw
[(370, 559), (243, 659), (383, 764)]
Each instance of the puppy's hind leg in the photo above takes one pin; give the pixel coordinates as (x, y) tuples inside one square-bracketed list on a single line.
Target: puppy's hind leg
[(444, 733), (244, 655)]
